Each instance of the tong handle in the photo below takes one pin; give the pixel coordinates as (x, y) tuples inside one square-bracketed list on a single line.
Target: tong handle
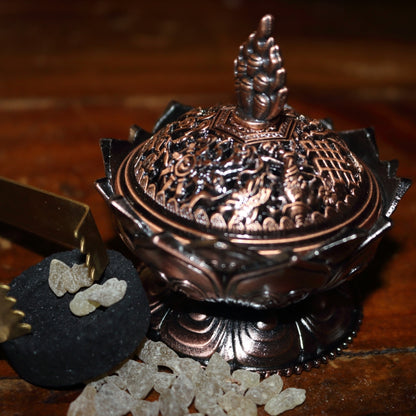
[(55, 218)]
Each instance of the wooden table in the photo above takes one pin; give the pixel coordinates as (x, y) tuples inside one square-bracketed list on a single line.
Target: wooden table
[(73, 72)]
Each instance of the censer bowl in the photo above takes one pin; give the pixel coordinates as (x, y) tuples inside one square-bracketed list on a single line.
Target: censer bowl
[(250, 206)]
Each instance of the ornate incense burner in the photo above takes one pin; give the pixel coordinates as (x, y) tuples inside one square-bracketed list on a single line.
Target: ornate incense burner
[(249, 207)]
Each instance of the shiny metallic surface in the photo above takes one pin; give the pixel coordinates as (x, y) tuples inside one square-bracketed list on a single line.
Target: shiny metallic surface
[(55, 218), (250, 207), (289, 340), (10, 319), (280, 182)]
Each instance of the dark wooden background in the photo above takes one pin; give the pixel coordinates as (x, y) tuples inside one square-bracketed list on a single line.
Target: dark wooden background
[(72, 72)]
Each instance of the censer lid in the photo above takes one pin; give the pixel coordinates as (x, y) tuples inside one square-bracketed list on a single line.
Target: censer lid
[(257, 169)]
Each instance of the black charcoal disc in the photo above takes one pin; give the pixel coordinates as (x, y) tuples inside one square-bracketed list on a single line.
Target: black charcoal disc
[(63, 349)]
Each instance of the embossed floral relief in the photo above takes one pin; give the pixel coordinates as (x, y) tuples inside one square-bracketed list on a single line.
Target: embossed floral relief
[(285, 175)]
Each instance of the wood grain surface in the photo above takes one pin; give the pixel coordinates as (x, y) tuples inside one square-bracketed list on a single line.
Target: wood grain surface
[(74, 72)]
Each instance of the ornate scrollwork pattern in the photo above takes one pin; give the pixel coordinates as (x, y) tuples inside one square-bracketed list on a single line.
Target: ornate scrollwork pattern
[(206, 168)]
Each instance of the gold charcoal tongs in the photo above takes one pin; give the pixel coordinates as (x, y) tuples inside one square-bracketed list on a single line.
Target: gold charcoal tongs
[(55, 218)]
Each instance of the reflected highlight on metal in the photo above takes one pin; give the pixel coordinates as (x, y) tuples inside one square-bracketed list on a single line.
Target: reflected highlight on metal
[(250, 206)]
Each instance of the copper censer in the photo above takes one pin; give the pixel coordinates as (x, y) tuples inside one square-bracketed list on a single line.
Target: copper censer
[(250, 219)]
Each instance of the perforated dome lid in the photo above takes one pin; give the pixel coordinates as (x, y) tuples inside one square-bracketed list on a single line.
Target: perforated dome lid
[(257, 170)]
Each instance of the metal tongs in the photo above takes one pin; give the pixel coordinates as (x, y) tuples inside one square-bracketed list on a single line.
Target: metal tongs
[(55, 218)]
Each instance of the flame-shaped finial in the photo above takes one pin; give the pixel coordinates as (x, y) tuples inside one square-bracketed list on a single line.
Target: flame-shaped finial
[(260, 76)]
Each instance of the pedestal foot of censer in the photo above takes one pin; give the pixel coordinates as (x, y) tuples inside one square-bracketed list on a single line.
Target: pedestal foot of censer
[(288, 340)]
